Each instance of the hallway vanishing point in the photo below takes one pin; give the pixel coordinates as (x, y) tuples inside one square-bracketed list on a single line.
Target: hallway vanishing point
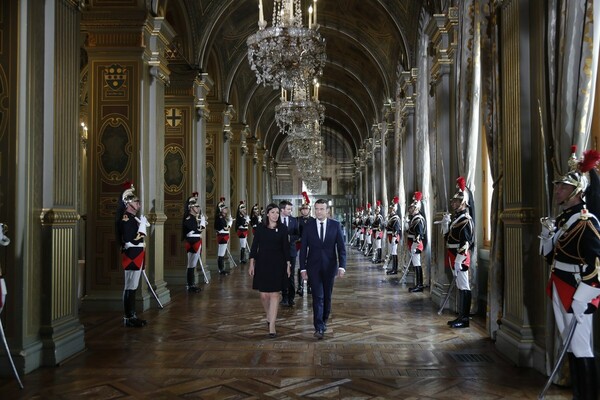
[(382, 343)]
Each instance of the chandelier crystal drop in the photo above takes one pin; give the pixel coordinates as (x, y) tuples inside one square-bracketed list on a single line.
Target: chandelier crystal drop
[(301, 116), (287, 52)]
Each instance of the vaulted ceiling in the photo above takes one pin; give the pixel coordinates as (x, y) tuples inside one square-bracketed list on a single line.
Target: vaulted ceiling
[(367, 43)]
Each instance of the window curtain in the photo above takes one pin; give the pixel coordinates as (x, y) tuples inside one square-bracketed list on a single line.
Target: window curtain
[(572, 61), (490, 102), (468, 79)]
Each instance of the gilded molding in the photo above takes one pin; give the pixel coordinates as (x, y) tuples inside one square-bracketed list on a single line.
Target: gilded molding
[(518, 216), (57, 216)]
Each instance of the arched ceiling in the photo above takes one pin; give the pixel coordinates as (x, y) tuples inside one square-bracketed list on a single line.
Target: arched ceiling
[(366, 42)]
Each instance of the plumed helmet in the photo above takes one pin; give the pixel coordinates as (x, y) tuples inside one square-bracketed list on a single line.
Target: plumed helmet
[(242, 205), (462, 193), (378, 206), (128, 195), (305, 201), (578, 174), (368, 207), (394, 204), (417, 201), (192, 201), (221, 205)]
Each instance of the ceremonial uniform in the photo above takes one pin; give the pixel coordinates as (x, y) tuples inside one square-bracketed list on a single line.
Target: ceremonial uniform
[(571, 244), (416, 239), (255, 218), (192, 226), (222, 226), (242, 223), (303, 219), (458, 232), (368, 230), (393, 230), (377, 232), (131, 232)]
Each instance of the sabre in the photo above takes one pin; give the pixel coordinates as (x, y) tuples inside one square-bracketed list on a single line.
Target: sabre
[(560, 358), (206, 278), (544, 160), (403, 279), (230, 256), (452, 284), (12, 363), (151, 288)]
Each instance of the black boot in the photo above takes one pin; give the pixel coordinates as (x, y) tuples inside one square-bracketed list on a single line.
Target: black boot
[(419, 280), (574, 376), (379, 260), (394, 270), (460, 308), (243, 256), (191, 281), (586, 379), (131, 320), (463, 320), (221, 265), (300, 291)]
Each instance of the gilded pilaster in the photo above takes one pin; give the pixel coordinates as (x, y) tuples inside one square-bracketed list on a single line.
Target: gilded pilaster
[(60, 331), (515, 335)]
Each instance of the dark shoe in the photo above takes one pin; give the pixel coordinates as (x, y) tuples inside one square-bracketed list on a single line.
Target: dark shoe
[(193, 289), (223, 272), (300, 292), (272, 335), (453, 321), (284, 303), (461, 323), (319, 334), (134, 322), (392, 272), (291, 303), (416, 289), (309, 290)]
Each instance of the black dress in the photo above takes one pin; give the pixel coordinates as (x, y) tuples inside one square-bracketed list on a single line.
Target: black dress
[(271, 252)]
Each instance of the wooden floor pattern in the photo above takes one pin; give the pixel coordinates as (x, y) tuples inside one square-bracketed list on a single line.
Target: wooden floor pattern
[(381, 343)]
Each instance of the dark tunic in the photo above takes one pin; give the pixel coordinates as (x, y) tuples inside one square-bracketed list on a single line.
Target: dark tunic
[(271, 252)]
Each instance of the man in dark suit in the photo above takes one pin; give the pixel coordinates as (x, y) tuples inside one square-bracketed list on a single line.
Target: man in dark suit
[(285, 214), (322, 258)]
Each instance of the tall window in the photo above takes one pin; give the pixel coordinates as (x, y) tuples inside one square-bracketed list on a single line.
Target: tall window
[(487, 189)]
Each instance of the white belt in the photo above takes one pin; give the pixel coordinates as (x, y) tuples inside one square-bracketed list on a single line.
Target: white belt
[(453, 245), (193, 235), (572, 268), (411, 236), (223, 232)]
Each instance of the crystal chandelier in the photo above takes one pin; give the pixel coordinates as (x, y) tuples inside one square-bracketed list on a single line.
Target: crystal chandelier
[(286, 52), (301, 116)]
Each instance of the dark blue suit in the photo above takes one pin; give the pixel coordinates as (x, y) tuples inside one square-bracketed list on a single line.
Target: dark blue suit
[(289, 290), (321, 260)]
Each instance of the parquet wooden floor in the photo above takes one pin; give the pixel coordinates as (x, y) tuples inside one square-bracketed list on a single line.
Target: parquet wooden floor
[(381, 343)]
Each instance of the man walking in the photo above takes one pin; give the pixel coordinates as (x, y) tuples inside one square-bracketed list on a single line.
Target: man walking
[(289, 290), (322, 258)]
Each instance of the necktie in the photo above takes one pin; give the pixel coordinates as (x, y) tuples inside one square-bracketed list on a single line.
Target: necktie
[(285, 221), (322, 233)]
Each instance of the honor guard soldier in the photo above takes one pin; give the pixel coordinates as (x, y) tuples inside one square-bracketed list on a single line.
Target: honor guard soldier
[(355, 228), (416, 239), (131, 232), (361, 227), (393, 230), (303, 219), (242, 223), (255, 218), (222, 226), (571, 244), (458, 232), (367, 224), (377, 227), (192, 226)]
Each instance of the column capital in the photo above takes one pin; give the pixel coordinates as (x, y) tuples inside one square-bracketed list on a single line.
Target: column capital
[(203, 84)]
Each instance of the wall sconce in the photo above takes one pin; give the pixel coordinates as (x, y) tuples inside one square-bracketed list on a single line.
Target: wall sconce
[(84, 135)]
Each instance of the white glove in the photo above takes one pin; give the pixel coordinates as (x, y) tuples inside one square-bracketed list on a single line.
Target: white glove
[(413, 247), (4, 240), (446, 223), (578, 308), (203, 221), (259, 219), (143, 225), (458, 260), (548, 228), (247, 219)]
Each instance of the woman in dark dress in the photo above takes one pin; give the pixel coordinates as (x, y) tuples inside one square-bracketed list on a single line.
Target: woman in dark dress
[(270, 262)]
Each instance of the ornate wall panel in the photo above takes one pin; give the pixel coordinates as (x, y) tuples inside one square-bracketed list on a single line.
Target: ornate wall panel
[(113, 136)]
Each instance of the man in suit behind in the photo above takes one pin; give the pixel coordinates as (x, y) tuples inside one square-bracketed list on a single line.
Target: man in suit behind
[(288, 292), (322, 258)]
